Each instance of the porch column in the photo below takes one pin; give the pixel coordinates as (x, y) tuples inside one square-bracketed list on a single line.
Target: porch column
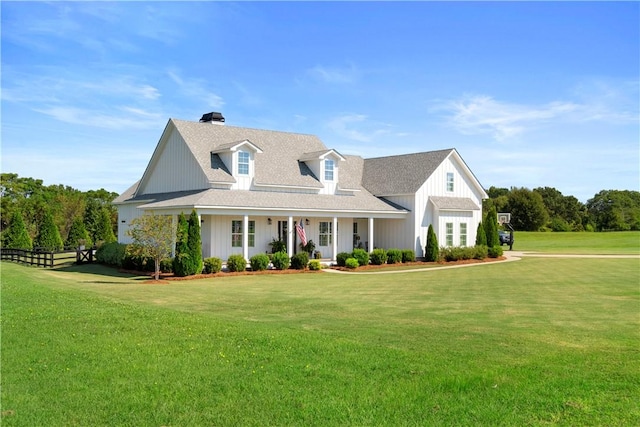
[(245, 237), (335, 238), (290, 232), (370, 248)]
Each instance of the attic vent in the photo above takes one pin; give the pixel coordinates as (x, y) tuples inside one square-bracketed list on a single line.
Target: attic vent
[(212, 118)]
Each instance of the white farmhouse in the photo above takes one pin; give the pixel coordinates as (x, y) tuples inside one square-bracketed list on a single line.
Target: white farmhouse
[(252, 186)]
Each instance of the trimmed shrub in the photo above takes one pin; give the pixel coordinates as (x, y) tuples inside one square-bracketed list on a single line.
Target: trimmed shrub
[(212, 265), (280, 261), (236, 262), (259, 262), (78, 234), (300, 260), (194, 244), (181, 260), (408, 255), (166, 265), (361, 255), (48, 237), (431, 251), (495, 251), (457, 253), (16, 236), (111, 254), (481, 235), (481, 252), (341, 258), (351, 263), (394, 256), (314, 264), (378, 257), (491, 228), (137, 262)]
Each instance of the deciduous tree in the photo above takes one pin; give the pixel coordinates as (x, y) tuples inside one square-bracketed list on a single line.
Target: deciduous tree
[(152, 237)]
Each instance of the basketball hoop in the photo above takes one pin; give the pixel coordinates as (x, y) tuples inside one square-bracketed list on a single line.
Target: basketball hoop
[(504, 218)]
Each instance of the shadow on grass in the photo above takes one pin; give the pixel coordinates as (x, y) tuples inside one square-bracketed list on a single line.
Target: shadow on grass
[(100, 269)]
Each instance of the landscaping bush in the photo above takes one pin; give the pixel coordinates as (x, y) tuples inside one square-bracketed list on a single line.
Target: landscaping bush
[(236, 262), (408, 255), (166, 265), (341, 258), (431, 251), (361, 255), (300, 260), (278, 246), (314, 264), (351, 263), (394, 256), (457, 253), (280, 261), (495, 251), (481, 252), (212, 265), (137, 262), (111, 253), (259, 262), (378, 257)]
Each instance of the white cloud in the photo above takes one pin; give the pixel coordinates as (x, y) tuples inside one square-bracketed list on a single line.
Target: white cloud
[(358, 127), (125, 118), (197, 89), (340, 75)]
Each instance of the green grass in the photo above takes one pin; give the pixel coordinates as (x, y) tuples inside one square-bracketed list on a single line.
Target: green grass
[(627, 242), (532, 342)]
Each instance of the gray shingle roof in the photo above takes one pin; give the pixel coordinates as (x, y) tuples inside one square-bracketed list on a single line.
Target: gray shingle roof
[(402, 174), (454, 203)]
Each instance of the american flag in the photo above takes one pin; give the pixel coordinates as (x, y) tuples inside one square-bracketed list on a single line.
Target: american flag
[(301, 233)]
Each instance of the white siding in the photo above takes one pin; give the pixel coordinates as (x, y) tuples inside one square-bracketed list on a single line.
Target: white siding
[(174, 169), (126, 213), (400, 234)]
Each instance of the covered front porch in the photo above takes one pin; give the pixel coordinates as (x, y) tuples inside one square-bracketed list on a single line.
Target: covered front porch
[(250, 234)]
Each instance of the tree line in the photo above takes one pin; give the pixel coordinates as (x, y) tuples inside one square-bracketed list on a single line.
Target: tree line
[(547, 209), (55, 216)]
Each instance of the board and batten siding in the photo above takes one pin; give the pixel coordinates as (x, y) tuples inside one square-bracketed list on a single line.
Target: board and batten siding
[(400, 234), (175, 169), (126, 213)]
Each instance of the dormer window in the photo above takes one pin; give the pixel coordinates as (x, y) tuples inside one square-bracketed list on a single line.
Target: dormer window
[(243, 163), (328, 169)]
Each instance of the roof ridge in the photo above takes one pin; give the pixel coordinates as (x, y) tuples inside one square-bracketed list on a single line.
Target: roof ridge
[(243, 127), (410, 154)]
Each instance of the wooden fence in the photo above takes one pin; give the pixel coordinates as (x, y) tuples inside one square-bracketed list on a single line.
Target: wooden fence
[(41, 258)]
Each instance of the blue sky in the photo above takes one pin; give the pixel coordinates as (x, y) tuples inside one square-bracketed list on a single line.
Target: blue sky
[(531, 94)]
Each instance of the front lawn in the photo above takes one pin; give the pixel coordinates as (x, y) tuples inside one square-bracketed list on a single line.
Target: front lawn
[(624, 242), (532, 342)]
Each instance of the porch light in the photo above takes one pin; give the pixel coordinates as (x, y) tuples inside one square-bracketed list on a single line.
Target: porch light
[(269, 221), (306, 221)]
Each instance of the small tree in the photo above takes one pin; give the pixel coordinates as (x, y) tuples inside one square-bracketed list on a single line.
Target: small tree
[(194, 243), (182, 259), (78, 234), (481, 236), (431, 251), (491, 228), (104, 230), (152, 237), (17, 236), (48, 236)]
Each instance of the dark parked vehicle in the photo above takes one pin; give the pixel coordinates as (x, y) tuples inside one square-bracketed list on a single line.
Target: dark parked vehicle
[(505, 238)]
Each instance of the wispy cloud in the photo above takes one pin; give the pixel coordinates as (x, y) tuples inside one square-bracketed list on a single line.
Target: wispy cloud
[(197, 89), (339, 75), (358, 127), (483, 114)]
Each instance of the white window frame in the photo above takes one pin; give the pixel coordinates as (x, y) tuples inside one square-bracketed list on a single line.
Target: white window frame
[(244, 162), (325, 234), (450, 182), (449, 234), (329, 169), (236, 233), (463, 233)]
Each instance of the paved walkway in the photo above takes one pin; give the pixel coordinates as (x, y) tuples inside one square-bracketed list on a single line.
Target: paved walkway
[(509, 257)]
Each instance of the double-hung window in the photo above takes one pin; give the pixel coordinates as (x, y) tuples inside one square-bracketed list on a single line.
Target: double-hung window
[(236, 234), (243, 163), (328, 170), (463, 234), (325, 233), (449, 235), (449, 181)]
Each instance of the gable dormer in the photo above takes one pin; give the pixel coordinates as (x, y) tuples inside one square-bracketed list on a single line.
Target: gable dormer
[(239, 158), (324, 165)]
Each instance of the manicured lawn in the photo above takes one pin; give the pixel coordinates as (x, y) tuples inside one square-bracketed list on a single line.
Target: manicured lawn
[(532, 342), (627, 242)]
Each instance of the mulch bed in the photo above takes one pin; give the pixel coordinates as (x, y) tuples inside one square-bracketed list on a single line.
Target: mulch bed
[(166, 277)]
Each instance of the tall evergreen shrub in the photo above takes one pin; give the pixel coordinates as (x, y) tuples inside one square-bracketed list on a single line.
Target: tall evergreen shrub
[(481, 236), (104, 230), (77, 234), (431, 250), (491, 228), (194, 243), (48, 236), (182, 258), (17, 236)]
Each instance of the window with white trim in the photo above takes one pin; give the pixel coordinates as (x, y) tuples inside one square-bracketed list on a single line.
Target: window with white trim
[(325, 233), (236, 234), (449, 181), (328, 170), (463, 234), (243, 163), (449, 235)]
